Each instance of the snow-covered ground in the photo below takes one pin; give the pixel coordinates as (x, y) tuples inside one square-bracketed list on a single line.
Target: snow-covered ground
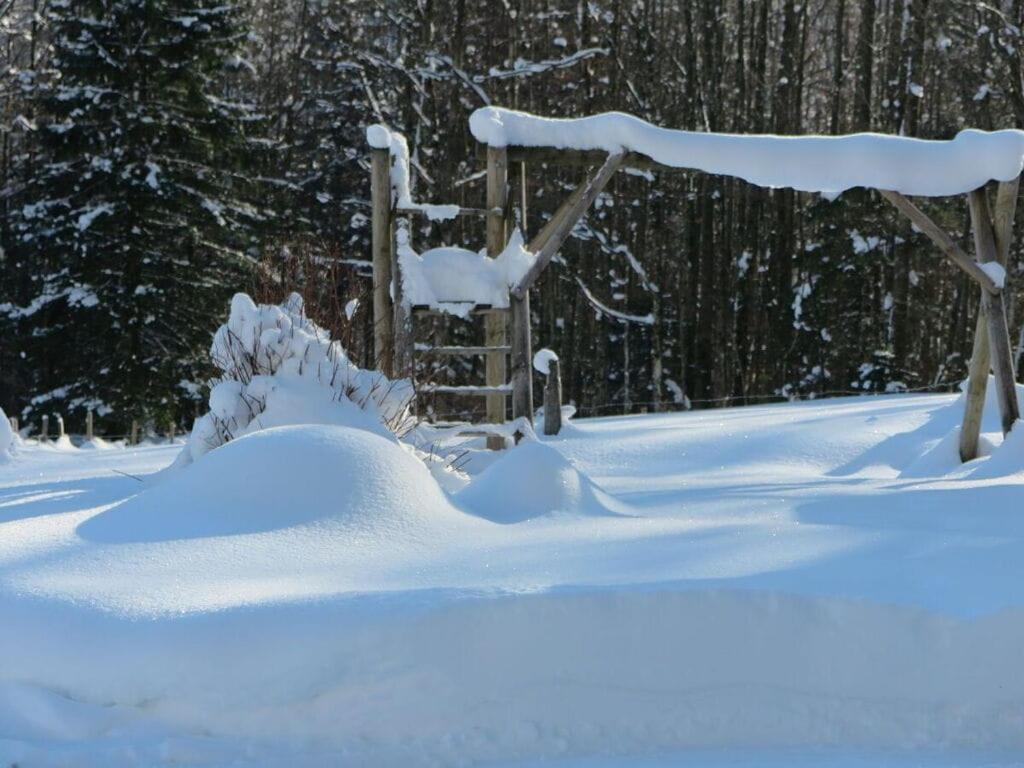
[(808, 584)]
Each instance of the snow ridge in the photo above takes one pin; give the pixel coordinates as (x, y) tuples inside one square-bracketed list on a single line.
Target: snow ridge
[(826, 164)]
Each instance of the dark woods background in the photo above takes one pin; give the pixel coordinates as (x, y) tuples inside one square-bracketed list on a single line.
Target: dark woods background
[(158, 155)]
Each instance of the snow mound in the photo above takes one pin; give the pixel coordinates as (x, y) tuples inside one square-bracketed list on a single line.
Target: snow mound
[(1005, 459), (535, 480), (941, 457), (453, 279), (7, 437), (279, 478)]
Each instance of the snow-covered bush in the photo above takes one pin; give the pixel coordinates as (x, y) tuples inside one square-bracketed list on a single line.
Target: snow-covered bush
[(7, 437), (280, 368)]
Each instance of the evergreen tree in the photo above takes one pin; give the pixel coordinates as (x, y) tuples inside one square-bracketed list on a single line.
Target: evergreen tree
[(138, 220)]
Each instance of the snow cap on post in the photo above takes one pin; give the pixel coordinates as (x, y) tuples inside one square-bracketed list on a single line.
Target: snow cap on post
[(542, 360), (378, 137)]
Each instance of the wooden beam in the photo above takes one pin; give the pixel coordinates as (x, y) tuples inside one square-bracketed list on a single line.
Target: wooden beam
[(553, 156), (474, 309), (383, 311), (557, 217), (443, 389), (572, 216), (462, 351), (936, 234), (1002, 223), (494, 325), (422, 212), (980, 365), (998, 334)]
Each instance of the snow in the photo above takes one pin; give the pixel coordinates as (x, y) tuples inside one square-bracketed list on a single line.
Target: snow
[(532, 481), (454, 280), (542, 360), (280, 368), (825, 164), (7, 438), (996, 271), (86, 219), (752, 586), (379, 137)]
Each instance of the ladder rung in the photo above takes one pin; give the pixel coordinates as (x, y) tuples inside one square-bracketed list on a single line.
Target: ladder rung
[(479, 309), (442, 389), (423, 211), (463, 350)]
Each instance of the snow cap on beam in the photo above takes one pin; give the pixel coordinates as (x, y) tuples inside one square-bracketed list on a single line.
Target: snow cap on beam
[(378, 137), (826, 164)]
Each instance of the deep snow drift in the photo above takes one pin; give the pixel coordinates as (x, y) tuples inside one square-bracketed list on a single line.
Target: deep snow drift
[(780, 577), (826, 164)]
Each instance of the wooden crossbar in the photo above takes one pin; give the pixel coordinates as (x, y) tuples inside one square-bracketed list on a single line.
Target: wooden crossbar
[(504, 390), (463, 351)]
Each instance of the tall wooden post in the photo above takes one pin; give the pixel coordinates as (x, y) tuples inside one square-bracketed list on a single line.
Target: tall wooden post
[(519, 319), (383, 311), (995, 311), (497, 237), (88, 425), (977, 376)]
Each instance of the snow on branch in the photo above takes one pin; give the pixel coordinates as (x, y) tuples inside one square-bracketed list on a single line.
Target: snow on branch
[(604, 309), (522, 67), (826, 164)]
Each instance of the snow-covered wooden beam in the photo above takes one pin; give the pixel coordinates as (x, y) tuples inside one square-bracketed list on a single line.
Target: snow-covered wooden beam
[(452, 210), (825, 164)]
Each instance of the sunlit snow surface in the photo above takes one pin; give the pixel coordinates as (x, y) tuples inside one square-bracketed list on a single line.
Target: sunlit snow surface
[(818, 577)]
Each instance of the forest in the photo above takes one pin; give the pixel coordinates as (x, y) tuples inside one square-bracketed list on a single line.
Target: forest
[(159, 156)]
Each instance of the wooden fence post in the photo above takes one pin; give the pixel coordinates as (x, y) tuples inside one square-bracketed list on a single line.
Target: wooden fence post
[(383, 311), (134, 439), (553, 399), (60, 426), (171, 430), (977, 376), (522, 355), (14, 424), (998, 334), (494, 322), (44, 433), (88, 425)]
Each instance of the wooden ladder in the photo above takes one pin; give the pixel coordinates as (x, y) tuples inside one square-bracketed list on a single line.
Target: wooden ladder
[(497, 389)]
